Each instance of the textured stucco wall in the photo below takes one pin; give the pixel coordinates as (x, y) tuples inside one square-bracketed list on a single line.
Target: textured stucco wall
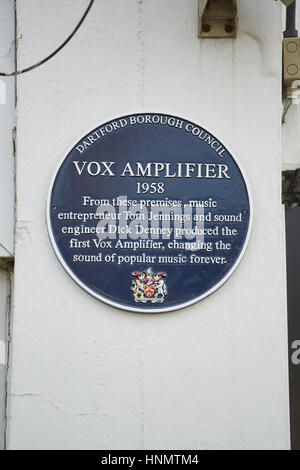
[(7, 118), (84, 375), (7, 123)]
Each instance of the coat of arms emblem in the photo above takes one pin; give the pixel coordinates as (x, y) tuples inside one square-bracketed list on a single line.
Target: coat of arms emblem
[(149, 287)]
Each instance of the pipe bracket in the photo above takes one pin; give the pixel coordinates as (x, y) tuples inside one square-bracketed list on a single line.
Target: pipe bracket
[(218, 19)]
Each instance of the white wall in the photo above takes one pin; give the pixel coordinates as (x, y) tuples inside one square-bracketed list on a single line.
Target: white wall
[(87, 376), (7, 124)]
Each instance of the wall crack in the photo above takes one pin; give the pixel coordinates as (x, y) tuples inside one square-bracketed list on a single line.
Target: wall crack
[(52, 403)]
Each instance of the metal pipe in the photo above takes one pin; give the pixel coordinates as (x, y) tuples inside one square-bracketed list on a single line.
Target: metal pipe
[(291, 31)]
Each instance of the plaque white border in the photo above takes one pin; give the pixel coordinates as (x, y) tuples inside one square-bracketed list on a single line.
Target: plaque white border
[(149, 310)]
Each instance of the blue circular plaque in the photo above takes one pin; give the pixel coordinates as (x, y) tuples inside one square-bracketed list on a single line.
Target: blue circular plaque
[(149, 213)]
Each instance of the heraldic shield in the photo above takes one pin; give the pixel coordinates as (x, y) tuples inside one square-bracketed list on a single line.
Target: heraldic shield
[(149, 287)]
